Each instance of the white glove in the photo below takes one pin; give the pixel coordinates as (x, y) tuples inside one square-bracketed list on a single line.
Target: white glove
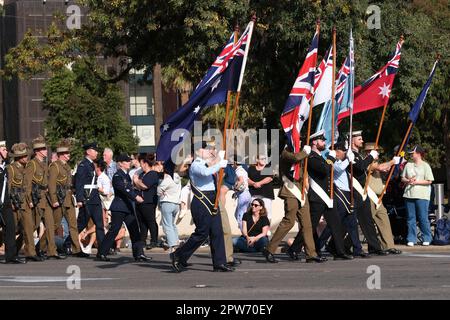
[(223, 163), (350, 156), (332, 154), (221, 154), (374, 154), (307, 149), (396, 160)]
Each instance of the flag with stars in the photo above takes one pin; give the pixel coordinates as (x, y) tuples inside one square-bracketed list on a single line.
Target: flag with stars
[(223, 75), (375, 91)]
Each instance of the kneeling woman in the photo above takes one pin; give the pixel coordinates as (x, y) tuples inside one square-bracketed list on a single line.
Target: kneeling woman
[(255, 226)]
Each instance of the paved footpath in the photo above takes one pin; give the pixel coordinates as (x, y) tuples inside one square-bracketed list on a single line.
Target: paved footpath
[(419, 273)]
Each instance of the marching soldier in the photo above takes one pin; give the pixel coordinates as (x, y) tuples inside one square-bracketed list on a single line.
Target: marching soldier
[(207, 220), (290, 192), (123, 210), (16, 194), (86, 190), (363, 212), (7, 221), (35, 184), (320, 202), (60, 193), (379, 213)]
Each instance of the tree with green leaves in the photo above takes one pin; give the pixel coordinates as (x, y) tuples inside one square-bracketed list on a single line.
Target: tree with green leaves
[(86, 110), (185, 36)]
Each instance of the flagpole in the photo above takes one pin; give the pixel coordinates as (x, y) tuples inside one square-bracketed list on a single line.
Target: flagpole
[(241, 76), (405, 139), (399, 152), (352, 85), (333, 92), (378, 136), (225, 127), (311, 104), (236, 101)]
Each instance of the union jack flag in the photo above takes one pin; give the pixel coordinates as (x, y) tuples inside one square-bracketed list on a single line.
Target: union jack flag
[(296, 109)]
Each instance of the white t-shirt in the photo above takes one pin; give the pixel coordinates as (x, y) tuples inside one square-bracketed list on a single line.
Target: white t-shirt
[(105, 183), (241, 172)]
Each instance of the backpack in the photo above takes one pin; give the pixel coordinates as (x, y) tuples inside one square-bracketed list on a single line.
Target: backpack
[(442, 232)]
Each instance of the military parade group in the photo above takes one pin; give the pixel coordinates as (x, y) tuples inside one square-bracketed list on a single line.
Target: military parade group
[(35, 194)]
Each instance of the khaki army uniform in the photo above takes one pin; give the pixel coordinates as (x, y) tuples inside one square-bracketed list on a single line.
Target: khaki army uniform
[(15, 179), (59, 190), (292, 208), (35, 176)]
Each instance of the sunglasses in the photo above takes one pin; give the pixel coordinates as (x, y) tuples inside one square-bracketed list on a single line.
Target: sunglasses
[(256, 205)]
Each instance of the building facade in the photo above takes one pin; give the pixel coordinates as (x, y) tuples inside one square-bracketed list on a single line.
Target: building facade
[(147, 102)]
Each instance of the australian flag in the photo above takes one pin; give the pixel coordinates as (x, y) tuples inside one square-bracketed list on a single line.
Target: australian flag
[(296, 109), (222, 76)]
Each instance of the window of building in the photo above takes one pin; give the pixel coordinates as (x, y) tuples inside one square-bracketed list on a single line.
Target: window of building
[(141, 93)]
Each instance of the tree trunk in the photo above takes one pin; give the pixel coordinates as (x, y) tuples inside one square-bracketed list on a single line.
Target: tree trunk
[(447, 149)]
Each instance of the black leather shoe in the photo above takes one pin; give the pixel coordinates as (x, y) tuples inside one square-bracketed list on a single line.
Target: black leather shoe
[(223, 268), (184, 264), (16, 260), (176, 264), (143, 258), (361, 254), (316, 260), (57, 257), (269, 256), (34, 258), (379, 253), (102, 257), (81, 254), (292, 255), (234, 263), (343, 257), (394, 251)]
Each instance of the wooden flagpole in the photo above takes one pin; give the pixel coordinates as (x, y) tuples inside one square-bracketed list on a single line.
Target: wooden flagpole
[(225, 127), (236, 101), (311, 104), (333, 100), (399, 152)]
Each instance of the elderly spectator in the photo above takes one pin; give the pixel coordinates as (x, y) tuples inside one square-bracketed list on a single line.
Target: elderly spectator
[(111, 165), (418, 177)]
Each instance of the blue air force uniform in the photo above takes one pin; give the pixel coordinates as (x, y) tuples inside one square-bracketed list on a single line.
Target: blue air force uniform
[(207, 223), (122, 210), (87, 193)]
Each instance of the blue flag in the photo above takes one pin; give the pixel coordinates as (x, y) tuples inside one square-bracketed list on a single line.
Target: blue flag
[(415, 110), (222, 76), (342, 99)]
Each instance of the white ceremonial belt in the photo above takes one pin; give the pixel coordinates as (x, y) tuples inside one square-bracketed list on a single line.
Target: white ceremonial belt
[(359, 188), (91, 186), (373, 196), (321, 193), (294, 190)]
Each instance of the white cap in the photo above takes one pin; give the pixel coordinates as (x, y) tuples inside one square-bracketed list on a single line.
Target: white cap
[(318, 135), (2, 143)]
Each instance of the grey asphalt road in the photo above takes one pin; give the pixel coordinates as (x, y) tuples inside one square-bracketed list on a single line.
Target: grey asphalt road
[(415, 274)]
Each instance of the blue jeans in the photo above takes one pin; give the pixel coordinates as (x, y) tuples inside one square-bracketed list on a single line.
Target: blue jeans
[(243, 201), (241, 244), (168, 212), (418, 209)]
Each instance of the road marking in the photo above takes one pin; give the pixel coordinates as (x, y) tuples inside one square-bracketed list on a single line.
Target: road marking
[(427, 255), (37, 279)]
